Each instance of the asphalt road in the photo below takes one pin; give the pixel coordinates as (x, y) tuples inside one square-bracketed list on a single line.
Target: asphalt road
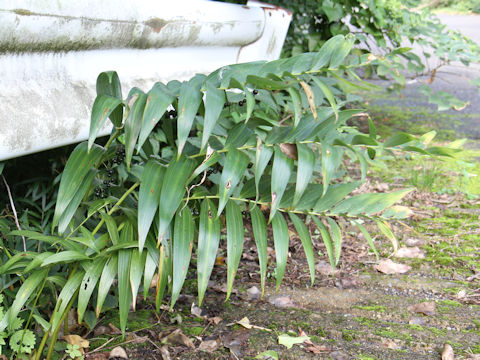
[(454, 79)]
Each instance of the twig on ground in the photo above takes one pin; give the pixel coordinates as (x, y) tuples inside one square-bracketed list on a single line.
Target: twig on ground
[(14, 211)]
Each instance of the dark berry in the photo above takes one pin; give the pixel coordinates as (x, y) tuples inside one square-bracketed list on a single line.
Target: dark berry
[(255, 92), (250, 165), (240, 103), (244, 213), (109, 172)]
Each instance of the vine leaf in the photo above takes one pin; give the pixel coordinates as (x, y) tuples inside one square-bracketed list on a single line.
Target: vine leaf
[(236, 163), (281, 240), (235, 238), (306, 240), (208, 240), (259, 227), (148, 198), (173, 189), (281, 170), (182, 250)]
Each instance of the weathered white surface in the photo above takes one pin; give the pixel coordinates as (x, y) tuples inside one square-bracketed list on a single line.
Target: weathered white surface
[(51, 53)]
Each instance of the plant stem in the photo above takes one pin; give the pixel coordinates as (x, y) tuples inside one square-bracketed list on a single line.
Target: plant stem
[(117, 204)]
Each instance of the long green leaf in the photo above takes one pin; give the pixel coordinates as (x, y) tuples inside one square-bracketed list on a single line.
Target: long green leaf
[(236, 163), (262, 157), (326, 51), (182, 250), (65, 257), (280, 240), (281, 170), (259, 227), (173, 189), (150, 267), (68, 292), (235, 238), (103, 107), (327, 240), (341, 52), (334, 194), (369, 239), (133, 123), (108, 83), (329, 164), (158, 101), (106, 280), (188, 104), (387, 231), (214, 102), (22, 296), (336, 235), (304, 235), (124, 293), (89, 281), (297, 104), (148, 198), (78, 166), (328, 94), (111, 227), (137, 267), (208, 240), (306, 162)]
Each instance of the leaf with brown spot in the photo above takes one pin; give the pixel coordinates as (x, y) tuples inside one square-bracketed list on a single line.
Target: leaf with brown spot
[(290, 150), (310, 98)]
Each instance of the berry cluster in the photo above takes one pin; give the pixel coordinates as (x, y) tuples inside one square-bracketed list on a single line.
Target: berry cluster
[(172, 114), (215, 170), (119, 156)]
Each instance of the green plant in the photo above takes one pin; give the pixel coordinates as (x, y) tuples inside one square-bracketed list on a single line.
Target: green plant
[(381, 28), (249, 142), (74, 352)]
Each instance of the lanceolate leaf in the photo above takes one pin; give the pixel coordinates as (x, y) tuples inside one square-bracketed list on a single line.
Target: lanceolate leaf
[(173, 189), (182, 250), (133, 124), (387, 231), (158, 100), (103, 106), (334, 194), (260, 233), (137, 267), (280, 239), (78, 166), (306, 162), (188, 103), (281, 170), (22, 296), (326, 51), (328, 94), (106, 280), (150, 267), (111, 228), (124, 294), (304, 235), (328, 165), (235, 238), (214, 102), (208, 240), (64, 257), (369, 239), (236, 163), (148, 198), (336, 235), (327, 240), (297, 104), (89, 281), (262, 157), (341, 51), (70, 289), (108, 83)]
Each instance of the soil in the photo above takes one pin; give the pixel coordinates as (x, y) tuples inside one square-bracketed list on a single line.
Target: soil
[(356, 313)]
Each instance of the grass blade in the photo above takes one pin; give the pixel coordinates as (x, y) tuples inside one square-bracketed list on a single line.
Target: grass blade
[(235, 238), (280, 240), (182, 250), (260, 233), (304, 235), (208, 240), (148, 198)]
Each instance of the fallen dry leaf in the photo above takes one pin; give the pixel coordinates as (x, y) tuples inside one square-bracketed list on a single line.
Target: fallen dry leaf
[(118, 352), (77, 340), (114, 330), (177, 337), (390, 267), (426, 308), (215, 320), (235, 340), (282, 301), (165, 353), (246, 324), (195, 310), (209, 345), (410, 252), (447, 353)]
